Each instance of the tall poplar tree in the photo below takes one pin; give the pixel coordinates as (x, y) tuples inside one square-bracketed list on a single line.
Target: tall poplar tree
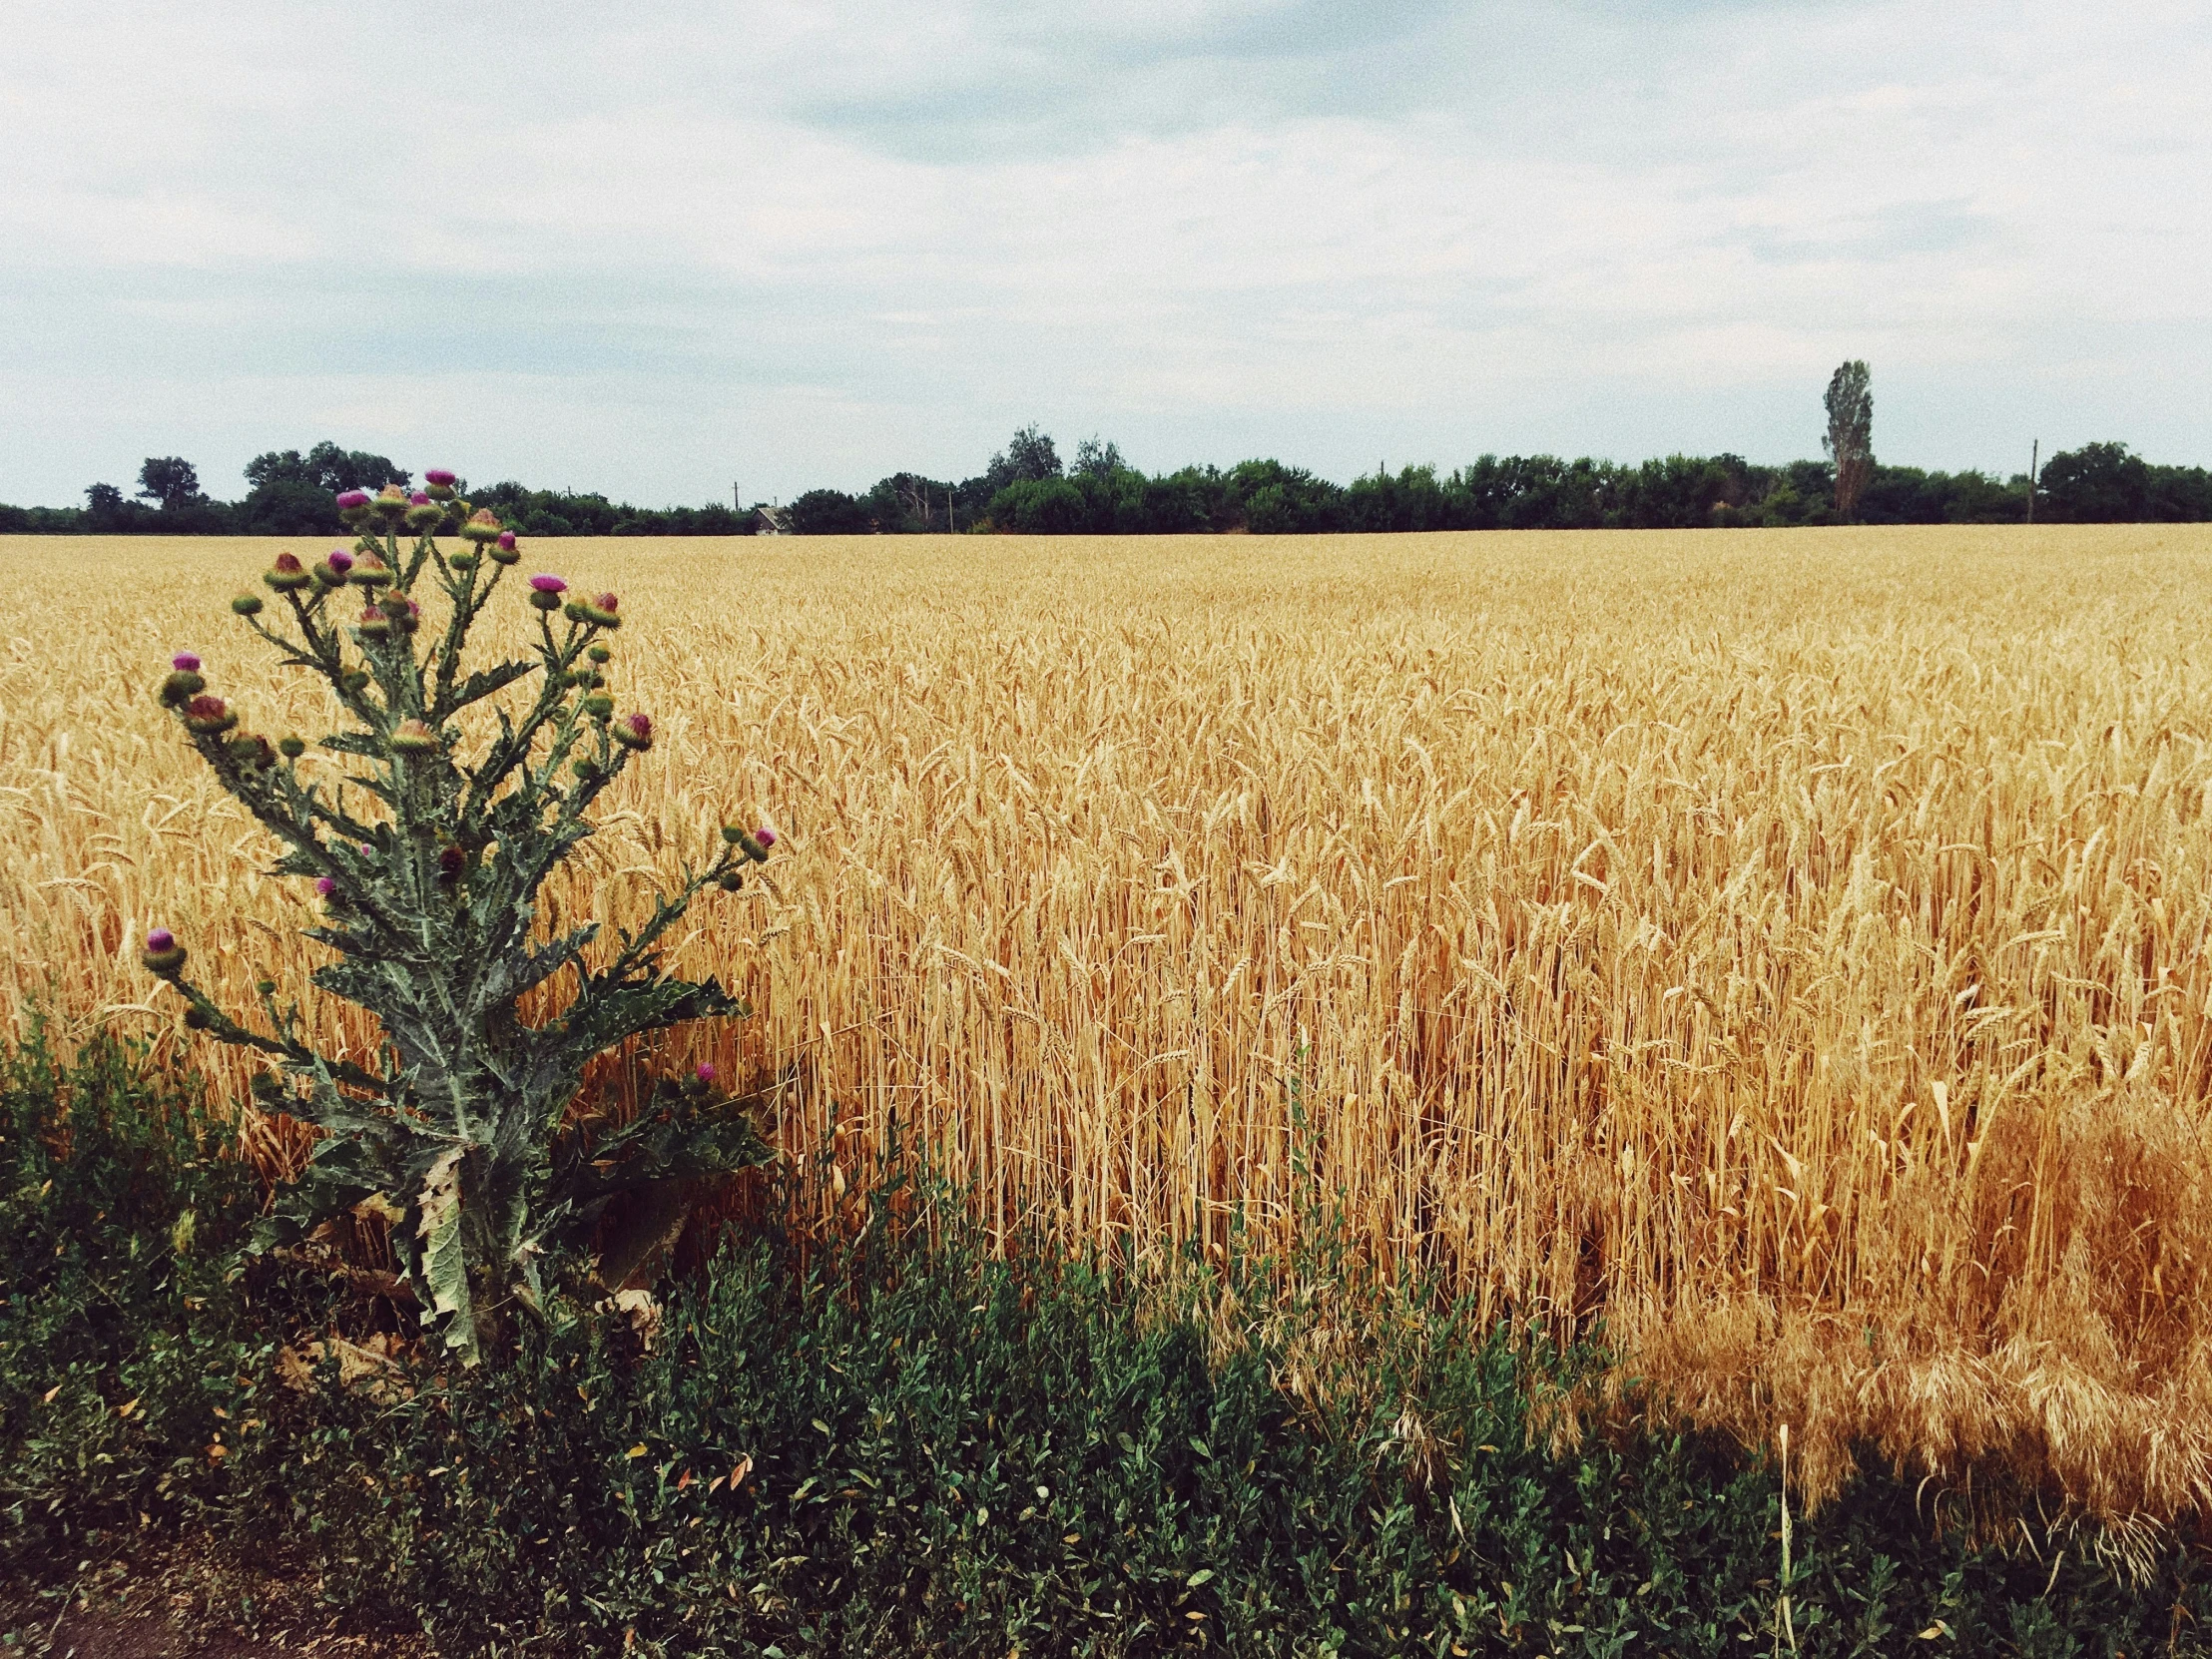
[(1850, 437)]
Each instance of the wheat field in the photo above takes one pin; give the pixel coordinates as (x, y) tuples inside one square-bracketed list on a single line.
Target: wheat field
[(1788, 949)]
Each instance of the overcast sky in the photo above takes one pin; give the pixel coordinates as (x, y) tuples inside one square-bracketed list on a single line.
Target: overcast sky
[(657, 248)]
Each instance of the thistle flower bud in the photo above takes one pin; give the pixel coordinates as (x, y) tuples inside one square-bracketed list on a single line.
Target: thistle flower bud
[(482, 525), (405, 614), (602, 610), (290, 748), (730, 881), (412, 736), (181, 684), (353, 679), (599, 705), (250, 752), (285, 575), (206, 716), (584, 770), (462, 560), (391, 504), (576, 611), (164, 956), (452, 862), (374, 625), (196, 1018), (543, 601), (633, 732), (425, 515), (246, 604), (370, 571), (600, 654), (755, 845)]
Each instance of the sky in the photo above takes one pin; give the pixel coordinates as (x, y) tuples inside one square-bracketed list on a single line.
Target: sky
[(667, 251)]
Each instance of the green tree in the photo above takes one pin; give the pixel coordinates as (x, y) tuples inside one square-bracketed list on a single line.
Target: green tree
[(1849, 440), (1027, 459), (1042, 507), (326, 467), (290, 494), (829, 513), (1098, 458), (2180, 494), (2099, 483), (167, 479)]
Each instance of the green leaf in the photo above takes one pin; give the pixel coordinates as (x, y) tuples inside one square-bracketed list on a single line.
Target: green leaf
[(444, 1268)]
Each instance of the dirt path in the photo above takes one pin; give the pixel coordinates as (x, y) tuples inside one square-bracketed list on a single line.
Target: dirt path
[(175, 1605)]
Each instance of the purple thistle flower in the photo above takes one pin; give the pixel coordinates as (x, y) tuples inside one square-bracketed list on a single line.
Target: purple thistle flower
[(368, 851), (418, 499), (341, 560), (765, 835), (352, 500), (184, 662), (324, 885), (438, 475), (706, 1072), (548, 584), (640, 725), (507, 541), (161, 939)]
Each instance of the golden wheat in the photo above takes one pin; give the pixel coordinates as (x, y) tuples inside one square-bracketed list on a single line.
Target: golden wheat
[(1790, 946)]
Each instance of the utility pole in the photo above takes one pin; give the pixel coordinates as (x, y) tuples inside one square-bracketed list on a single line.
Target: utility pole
[(736, 498), (2034, 459)]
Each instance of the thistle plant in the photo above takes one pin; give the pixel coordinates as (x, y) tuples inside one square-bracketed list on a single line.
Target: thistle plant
[(456, 804)]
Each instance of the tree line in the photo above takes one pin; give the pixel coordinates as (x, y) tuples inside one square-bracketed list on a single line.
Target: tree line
[(290, 493), (1028, 489)]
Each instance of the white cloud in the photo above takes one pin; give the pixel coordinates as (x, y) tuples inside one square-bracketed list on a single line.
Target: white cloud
[(814, 242)]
